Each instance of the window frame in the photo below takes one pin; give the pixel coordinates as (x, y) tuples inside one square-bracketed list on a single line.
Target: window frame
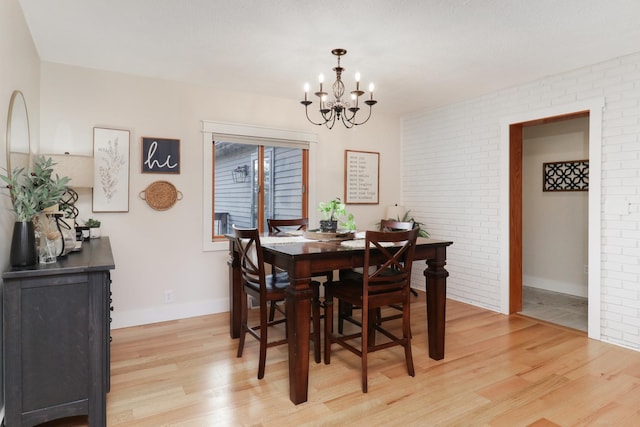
[(258, 135)]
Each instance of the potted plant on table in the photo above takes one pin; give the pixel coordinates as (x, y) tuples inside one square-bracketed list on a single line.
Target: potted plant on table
[(331, 213), (94, 228), (31, 193)]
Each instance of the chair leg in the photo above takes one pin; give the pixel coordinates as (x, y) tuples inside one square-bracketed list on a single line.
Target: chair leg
[(264, 325), (365, 348), (272, 311), (372, 321), (243, 324), (315, 313), (406, 334), (328, 326), (344, 310)]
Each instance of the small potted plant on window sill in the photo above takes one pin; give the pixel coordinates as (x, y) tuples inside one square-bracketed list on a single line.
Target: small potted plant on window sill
[(331, 213), (94, 228)]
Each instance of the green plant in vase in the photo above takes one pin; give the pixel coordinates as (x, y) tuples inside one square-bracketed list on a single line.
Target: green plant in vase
[(31, 193), (332, 212)]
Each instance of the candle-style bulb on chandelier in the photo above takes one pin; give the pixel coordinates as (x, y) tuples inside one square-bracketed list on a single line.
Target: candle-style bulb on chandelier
[(339, 109)]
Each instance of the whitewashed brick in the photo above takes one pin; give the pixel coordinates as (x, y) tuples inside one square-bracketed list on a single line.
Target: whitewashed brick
[(450, 169)]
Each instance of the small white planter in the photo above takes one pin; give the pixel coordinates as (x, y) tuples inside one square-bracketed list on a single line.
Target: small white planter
[(94, 232)]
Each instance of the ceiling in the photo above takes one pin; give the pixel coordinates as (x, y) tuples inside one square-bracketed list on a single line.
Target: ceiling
[(419, 53)]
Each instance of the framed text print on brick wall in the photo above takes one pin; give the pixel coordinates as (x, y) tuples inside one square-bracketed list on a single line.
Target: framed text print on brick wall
[(572, 175), (361, 176)]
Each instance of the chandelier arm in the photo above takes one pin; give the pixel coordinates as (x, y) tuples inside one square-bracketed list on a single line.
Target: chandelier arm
[(366, 120), (347, 123), (332, 121), (327, 113), (306, 112), (352, 118)]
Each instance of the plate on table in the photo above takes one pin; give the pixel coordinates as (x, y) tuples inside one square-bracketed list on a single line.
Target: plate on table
[(327, 237)]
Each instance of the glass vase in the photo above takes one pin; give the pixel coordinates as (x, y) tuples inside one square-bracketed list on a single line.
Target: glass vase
[(48, 251)]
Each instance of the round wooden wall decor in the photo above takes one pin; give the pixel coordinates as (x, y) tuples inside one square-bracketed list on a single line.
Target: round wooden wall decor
[(161, 195)]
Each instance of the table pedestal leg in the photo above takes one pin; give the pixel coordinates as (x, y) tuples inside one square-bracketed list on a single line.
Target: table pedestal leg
[(298, 305), (436, 279)]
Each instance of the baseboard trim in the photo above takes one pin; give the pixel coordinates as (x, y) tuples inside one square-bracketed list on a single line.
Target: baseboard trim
[(166, 312)]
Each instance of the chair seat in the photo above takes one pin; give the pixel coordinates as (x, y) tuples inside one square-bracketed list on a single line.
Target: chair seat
[(274, 283), (352, 294), (357, 276)]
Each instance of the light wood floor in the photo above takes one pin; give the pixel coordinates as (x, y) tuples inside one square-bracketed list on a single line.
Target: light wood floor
[(498, 371)]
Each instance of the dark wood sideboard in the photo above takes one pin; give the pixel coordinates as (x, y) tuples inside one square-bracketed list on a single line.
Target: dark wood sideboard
[(56, 336)]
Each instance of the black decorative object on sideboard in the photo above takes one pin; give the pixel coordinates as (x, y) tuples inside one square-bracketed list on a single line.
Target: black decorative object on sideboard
[(56, 321)]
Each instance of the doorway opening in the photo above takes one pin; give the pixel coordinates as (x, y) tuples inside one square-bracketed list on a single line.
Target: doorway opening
[(555, 222), (512, 146)]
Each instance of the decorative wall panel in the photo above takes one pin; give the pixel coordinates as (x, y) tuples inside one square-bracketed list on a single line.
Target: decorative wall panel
[(570, 175)]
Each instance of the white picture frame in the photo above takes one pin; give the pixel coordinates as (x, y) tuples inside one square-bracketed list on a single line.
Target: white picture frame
[(361, 177)]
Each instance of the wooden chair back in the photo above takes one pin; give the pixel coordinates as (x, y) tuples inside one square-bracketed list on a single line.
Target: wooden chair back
[(394, 269), (247, 241), (393, 225), (281, 225)]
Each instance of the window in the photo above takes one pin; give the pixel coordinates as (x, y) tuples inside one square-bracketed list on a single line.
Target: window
[(255, 182), (251, 174)]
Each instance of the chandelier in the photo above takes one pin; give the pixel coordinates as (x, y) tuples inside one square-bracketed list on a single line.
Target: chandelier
[(338, 109)]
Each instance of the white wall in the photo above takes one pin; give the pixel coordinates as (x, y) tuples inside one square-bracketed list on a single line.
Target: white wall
[(554, 224), (451, 179), (153, 250), (19, 70)]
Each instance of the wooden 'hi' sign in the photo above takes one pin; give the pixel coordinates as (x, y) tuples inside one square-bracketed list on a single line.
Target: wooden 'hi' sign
[(160, 155)]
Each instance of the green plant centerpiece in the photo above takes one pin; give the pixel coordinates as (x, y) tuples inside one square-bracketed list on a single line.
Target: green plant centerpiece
[(31, 193), (333, 213)]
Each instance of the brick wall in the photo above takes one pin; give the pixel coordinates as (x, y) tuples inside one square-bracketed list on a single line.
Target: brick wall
[(451, 182)]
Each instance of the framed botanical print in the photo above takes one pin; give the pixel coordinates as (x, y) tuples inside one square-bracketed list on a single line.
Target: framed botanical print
[(111, 170)]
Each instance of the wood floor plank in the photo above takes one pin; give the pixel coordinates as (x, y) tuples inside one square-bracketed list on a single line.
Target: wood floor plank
[(498, 371)]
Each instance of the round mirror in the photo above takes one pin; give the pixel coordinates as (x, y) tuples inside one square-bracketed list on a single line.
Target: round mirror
[(18, 138)]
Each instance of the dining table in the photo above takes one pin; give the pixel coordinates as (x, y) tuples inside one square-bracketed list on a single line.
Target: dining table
[(302, 258)]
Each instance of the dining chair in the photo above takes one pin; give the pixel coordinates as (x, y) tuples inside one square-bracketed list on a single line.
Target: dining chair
[(282, 225), (386, 281), (345, 311), (278, 225), (266, 289)]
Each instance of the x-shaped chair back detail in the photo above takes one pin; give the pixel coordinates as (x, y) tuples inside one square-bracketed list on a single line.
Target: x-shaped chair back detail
[(278, 225), (395, 267), (251, 261)]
